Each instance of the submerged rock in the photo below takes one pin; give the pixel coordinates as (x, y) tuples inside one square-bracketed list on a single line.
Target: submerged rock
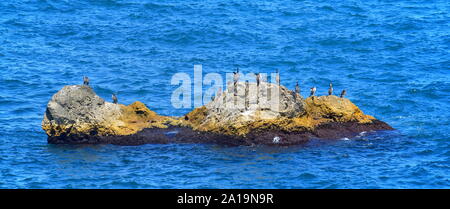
[(244, 114)]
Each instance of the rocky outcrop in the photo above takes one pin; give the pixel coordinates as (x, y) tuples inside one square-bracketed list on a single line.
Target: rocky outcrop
[(75, 114), (296, 120), (244, 114), (234, 113)]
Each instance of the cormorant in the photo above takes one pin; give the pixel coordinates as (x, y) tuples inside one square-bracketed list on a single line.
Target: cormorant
[(343, 93), (236, 77), (297, 88), (247, 89), (114, 98), (313, 91), (277, 77), (85, 80), (258, 78), (330, 90)]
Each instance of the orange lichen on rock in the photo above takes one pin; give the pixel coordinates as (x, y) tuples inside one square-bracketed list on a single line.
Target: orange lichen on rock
[(317, 111), (136, 117), (78, 110), (335, 109)]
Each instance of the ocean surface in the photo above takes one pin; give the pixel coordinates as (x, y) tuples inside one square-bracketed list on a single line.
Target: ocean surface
[(393, 57)]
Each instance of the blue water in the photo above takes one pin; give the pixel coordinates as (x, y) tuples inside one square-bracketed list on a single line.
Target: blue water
[(393, 57)]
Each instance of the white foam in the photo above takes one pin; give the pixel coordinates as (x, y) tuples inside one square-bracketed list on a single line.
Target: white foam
[(276, 139)]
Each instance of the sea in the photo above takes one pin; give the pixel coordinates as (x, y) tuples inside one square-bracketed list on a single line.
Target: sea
[(392, 57)]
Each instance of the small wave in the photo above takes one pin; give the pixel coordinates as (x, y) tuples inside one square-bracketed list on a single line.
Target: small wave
[(327, 8), (307, 176), (154, 5)]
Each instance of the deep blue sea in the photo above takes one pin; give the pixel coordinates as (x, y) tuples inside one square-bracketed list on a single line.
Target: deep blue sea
[(393, 57)]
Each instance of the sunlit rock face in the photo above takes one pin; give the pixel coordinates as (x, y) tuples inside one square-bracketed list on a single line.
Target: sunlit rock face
[(250, 102), (237, 107), (335, 109)]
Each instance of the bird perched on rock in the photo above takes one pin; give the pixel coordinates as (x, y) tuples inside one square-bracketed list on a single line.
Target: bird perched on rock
[(236, 76), (247, 89), (85, 80), (258, 78), (235, 80), (114, 98), (330, 90), (277, 77), (343, 93), (313, 91), (297, 88)]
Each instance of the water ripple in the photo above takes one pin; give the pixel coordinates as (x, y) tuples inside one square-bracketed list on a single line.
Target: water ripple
[(392, 57)]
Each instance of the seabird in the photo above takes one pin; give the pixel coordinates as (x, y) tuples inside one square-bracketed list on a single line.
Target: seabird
[(313, 91), (277, 77), (114, 98), (343, 93), (85, 80), (258, 78), (330, 90), (297, 88), (235, 80), (247, 89), (236, 76)]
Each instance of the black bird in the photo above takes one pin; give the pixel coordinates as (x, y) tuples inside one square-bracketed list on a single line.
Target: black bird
[(343, 93), (236, 76), (85, 80), (313, 91), (277, 77), (114, 98), (247, 88), (297, 88), (258, 78), (330, 90)]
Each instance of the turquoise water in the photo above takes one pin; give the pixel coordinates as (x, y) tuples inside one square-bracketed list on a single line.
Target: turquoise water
[(391, 56)]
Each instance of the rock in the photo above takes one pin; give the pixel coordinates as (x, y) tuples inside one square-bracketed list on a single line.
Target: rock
[(294, 113), (268, 101), (335, 109), (76, 113), (268, 114), (231, 113)]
